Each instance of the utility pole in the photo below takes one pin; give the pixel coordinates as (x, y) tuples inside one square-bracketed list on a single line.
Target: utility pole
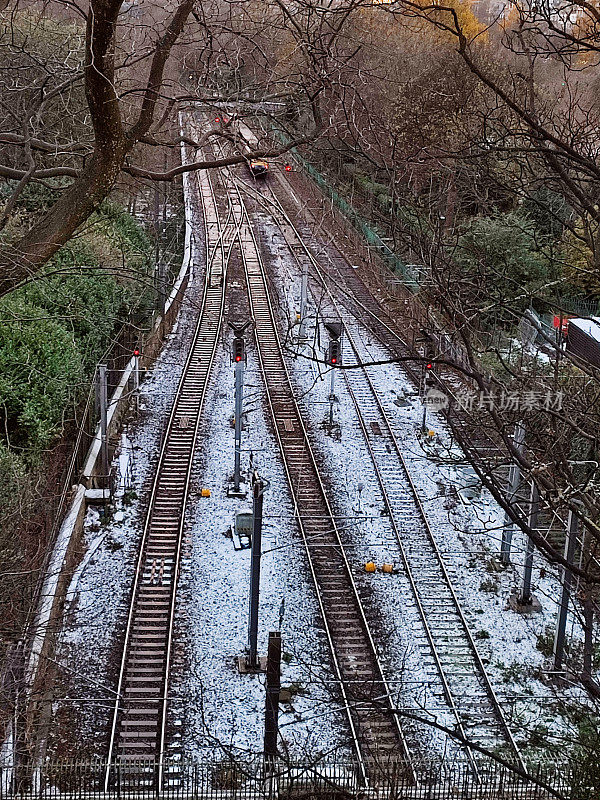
[(239, 400), (526, 598), (514, 477), (427, 371), (252, 663), (331, 399), (567, 582), (103, 402), (272, 695)]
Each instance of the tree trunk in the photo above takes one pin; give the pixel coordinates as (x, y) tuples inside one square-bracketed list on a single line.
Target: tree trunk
[(22, 260)]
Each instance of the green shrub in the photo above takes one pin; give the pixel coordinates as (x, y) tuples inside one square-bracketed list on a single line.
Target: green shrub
[(87, 302), (12, 479), (40, 370), (503, 256)]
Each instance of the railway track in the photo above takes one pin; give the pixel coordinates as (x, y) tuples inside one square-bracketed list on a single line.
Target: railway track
[(447, 647), (445, 642), (139, 718), (376, 733), (346, 285)]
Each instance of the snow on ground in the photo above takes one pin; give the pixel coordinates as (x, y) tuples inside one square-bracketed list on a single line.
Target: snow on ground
[(213, 709), (217, 709), (468, 533), (469, 537), (97, 598)]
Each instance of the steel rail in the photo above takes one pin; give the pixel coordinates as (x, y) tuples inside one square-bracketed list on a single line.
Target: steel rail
[(151, 609), (282, 401), (418, 505), (351, 298), (439, 557)]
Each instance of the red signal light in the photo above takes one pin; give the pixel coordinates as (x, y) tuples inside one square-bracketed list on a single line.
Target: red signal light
[(333, 352), (217, 119), (288, 167), (136, 352), (238, 349), (429, 365)]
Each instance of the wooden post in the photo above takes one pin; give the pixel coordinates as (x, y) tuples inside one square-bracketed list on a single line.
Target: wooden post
[(272, 695)]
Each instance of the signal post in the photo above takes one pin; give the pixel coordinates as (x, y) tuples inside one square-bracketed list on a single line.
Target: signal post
[(239, 361), (334, 359)]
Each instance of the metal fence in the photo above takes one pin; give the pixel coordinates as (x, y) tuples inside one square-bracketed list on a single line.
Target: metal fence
[(410, 278), (258, 778)]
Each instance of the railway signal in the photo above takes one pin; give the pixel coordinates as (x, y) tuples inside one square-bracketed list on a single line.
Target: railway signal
[(427, 376), (239, 360), (334, 359), (239, 350), (288, 167), (333, 353)]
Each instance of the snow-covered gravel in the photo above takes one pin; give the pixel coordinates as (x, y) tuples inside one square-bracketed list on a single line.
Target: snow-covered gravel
[(217, 709), (214, 710), (97, 598), (467, 531)]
